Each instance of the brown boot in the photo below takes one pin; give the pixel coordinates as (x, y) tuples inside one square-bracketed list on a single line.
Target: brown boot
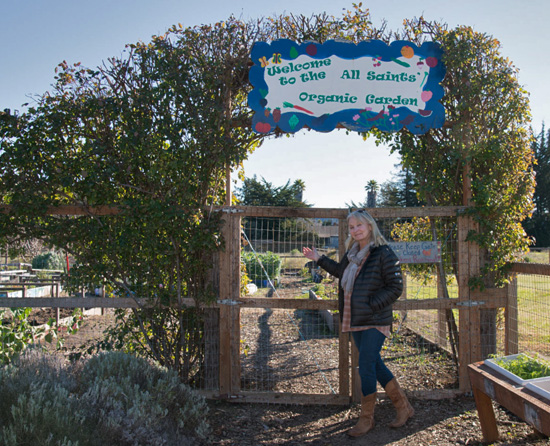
[(401, 403), (366, 418)]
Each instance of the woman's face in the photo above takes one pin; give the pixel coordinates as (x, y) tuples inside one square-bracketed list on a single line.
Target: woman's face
[(360, 231)]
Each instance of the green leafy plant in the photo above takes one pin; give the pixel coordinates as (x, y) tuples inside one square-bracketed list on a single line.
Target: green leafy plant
[(326, 290), (525, 367), (49, 260), (150, 134), (17, 333), (258, 264)]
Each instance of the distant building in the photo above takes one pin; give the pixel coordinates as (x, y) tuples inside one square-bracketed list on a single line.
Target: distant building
[(328, 233)]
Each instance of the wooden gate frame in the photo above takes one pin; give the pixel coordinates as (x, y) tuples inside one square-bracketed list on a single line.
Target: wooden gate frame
[(469, 302)]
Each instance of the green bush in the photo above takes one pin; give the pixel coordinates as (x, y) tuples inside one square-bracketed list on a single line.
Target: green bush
[(112, 398), (17, 332), (49, 260), (254, 261)]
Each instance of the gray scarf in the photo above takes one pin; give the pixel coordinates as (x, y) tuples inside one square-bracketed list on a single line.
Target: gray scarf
[(355, 258)]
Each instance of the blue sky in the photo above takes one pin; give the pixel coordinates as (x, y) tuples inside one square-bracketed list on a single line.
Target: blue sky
[(37, 35)]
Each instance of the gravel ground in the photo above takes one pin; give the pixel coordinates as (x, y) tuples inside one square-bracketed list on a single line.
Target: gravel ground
[(280, 353), (442, 422)]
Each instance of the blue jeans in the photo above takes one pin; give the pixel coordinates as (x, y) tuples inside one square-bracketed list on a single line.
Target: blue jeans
[(371, 367)]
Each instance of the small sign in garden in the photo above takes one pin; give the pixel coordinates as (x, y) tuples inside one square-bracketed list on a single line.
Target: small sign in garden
[(417, 252), (357, 86)]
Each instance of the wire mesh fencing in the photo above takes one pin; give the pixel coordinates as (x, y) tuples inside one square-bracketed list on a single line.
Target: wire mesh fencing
[(297, 350), (284, 350), (530, 315)]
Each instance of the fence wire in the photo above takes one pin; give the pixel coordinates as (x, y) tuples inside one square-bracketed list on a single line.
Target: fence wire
[(533, 314), (276, 356)]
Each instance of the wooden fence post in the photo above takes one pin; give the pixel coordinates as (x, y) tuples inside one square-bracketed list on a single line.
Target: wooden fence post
[(57, 310), (441, 314), (468, 314), (229, 292), (345, 337)]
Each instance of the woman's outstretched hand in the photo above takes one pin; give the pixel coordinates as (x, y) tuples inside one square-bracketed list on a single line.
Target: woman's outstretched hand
[(310, 253)]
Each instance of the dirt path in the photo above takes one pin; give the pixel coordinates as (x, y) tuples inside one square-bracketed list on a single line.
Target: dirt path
[(275, 344)]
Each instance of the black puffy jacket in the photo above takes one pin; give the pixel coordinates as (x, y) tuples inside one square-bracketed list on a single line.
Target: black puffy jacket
[(377, 286)]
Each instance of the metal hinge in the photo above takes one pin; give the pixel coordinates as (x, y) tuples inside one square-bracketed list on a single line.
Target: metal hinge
[(230, 396), (471, 303), (228, 302)]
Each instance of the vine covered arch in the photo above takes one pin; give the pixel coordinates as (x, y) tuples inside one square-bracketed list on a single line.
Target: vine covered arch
[(139, 134)]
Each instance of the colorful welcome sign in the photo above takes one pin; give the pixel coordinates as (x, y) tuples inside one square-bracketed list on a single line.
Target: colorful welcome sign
[(371, 84)]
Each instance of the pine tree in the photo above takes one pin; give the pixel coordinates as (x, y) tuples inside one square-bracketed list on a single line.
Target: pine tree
[(538, 225)]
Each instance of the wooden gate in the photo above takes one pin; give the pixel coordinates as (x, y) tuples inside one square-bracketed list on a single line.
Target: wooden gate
[(468, 304)]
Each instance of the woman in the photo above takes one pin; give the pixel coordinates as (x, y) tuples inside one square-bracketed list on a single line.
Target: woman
[(370, 281)]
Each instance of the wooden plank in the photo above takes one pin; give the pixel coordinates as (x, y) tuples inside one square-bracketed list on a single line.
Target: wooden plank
[(80, 302), (492, 301), (235, 312), (342, 236), (290, 212), (441, 313), (225, 350), (496, 299), (464, 297), (265, 211), (531, 268), (475, 297), (290, 398), (245, 302), (475, 327), (333, 399), (446, 304), (522, 402), (344, 338), (486, 416), (226, 295), (343, 362), (212, 350)]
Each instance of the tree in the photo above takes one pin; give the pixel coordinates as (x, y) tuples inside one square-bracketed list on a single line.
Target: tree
[(482, 157), (263, 193), (400, 191), (155, 131), (486, 142), (372, 189), (151, 133), (538, 225)]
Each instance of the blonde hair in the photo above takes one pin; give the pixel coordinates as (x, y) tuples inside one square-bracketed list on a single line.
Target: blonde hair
[(376, 236)]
